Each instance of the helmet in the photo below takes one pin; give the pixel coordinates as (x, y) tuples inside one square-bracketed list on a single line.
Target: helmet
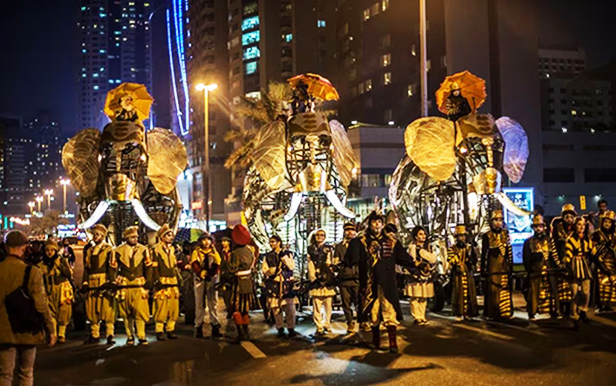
[(497, 214), (460, 230), (568, 209), (608, 214)]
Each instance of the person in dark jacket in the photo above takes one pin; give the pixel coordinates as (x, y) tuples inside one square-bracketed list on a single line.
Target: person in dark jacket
[(541, 263), (321, 276), (348, 277), (18, 348), (376, 256), (67, 252)]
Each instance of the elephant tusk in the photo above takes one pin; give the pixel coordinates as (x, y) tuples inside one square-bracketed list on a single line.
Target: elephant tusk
[(143, 215), (335, 201), (98, 213), (513, 208), (296, 200)]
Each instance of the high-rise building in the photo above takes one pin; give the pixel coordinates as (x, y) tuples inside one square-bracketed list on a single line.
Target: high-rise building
[(559, 62), (115, 48)]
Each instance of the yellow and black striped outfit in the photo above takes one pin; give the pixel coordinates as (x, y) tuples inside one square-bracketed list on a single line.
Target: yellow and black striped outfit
[(463, 260), (577, 258), (605, 260), (497, 266), (541, 263)]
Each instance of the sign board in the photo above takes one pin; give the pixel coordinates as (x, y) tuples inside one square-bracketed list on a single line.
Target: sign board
[(196, 205), (519, 226), (583, 202)]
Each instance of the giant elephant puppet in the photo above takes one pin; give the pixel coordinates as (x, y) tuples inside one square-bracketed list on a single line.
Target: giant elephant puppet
[(295, 162), (427, 187), (125, 177)]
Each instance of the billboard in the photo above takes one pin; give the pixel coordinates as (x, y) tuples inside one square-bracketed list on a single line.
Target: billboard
[(519, 226)]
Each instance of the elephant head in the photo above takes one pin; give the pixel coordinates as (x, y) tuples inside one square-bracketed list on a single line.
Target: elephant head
[(128, 170)]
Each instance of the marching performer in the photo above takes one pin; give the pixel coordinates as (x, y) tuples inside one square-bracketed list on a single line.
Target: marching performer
[(277, 268), (604, 240), (462, 258), (134, 266), (165, 276), (321, 278), (578, 252), (541, 263), (99, 275), (242, 291), (497, 266), (420, 287), (57, 275), (376, 255), (347, 278), (205, 262), (562, 229)]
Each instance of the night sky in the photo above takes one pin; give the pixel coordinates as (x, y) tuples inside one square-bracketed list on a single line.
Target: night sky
[(39, 45)]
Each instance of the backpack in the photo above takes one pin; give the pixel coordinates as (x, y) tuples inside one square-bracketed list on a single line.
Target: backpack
[(23, 315)]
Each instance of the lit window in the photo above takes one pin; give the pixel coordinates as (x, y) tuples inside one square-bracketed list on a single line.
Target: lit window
[(251, 53), (409, 90), (387, 78), (250, 38), (95, 87), (573, 112), (385, 60), (250, 68), (288, 37), (366, 14), (368, 85), (384, 5), (321, 23), (250, 23)]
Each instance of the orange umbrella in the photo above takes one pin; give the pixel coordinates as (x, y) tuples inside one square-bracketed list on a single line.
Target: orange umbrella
[(318, 86), (472, 87), (141, 103)]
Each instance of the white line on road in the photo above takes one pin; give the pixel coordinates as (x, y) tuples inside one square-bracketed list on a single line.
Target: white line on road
[(253, 350), (604, 321)]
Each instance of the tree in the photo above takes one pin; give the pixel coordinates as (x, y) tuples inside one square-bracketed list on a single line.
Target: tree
[(48, 224)]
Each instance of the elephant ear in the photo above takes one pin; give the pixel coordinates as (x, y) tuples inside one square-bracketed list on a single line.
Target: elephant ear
[(344, 157), (167, 159), (429, 143), (80, 160), (269, 155), (516, 148)]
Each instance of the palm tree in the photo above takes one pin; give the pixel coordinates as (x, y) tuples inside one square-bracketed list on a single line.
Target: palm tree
[(254, 113), (47, 224)]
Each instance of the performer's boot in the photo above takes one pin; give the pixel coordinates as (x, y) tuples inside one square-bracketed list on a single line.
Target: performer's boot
[(199, 332), (376, 338), (237, 318), (216, 331), (246, 322), (393, 341)]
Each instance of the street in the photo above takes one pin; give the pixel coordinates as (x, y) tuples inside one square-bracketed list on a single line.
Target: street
[(443, 353)]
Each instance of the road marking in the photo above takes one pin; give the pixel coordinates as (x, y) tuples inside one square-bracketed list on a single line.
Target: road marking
[(482, 331), (253, 350)]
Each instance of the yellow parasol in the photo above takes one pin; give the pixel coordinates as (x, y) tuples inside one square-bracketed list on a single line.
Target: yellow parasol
[(318, 86), (472, 87), (141, 100)]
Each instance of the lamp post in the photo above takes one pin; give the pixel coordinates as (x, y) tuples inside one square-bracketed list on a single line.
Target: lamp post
[(64, 182), (207, 184), (31, 205), (48, 193), (423, 58), (39, 199)]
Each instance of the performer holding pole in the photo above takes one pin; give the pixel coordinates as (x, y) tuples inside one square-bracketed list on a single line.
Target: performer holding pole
[(166, 284), (99, 275)]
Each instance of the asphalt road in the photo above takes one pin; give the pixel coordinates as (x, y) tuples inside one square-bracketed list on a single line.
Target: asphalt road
[(443, 353)]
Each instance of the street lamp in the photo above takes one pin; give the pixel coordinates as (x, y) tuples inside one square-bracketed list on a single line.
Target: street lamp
[(31, 205), (207, 184), (39, 199), (64, 182), (48, 193)]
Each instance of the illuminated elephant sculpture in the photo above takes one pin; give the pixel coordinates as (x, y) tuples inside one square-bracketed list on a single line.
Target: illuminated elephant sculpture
[(124, 175), (296, 164), (443, 164)]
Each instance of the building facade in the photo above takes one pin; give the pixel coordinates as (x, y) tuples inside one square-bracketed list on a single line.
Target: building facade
[(115, 47)]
